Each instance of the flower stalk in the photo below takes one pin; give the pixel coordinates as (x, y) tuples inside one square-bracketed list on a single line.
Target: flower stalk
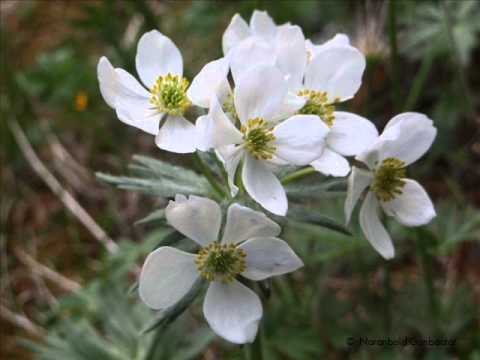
[(297, 175), (392, 34), (209, 176), (426, 261)]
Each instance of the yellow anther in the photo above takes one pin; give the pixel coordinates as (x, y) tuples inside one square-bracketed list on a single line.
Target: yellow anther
[(220, 262), (258, 137), (169, 95), (389, 179), (318, 104)]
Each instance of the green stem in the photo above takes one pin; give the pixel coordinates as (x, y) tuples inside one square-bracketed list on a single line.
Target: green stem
[(153, 345), (254, 351), (426, 261), (209, 175), (388, 299), (297, 175), (420, 80), (392, 35), (238, 179), (457, 61), (150, 19)]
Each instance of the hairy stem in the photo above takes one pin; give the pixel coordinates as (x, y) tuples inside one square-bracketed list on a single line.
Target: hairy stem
[(387, 299), (419, 81), (392, 35), (208, 175), (426, 260), (296, 175), (457, 61)]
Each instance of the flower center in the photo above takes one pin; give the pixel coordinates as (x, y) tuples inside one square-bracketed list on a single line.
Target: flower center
[(258, 136), (389, 179), (317, 104), (220, 262), (169, 95)]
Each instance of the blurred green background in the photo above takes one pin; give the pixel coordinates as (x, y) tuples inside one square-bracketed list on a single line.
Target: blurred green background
[(64, 296)]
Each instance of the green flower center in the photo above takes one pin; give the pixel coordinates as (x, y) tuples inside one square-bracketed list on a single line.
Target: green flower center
[(169, 95), (389, 179), (317, 104), (220, 262), (258, 137)]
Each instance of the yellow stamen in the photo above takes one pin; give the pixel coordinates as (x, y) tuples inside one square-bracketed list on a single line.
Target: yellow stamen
[(258, 137), (318, 104), (169, 95), (389, 179), (220, 262)]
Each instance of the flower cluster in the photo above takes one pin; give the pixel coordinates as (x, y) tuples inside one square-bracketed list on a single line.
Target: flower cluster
[(270, 102)]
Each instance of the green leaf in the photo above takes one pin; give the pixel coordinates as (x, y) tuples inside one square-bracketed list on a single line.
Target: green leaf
[(163, 169), (314, 218), (157, 187), (159, 178), (317, 189), (157, 216)]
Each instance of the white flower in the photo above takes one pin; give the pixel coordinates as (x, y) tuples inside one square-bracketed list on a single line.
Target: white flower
[(159, 109), (210, 81), (261, 26), (260, 99), (334, 74), (323, 74), (249, 247), (405, 139), (264, 43), (339, 40)]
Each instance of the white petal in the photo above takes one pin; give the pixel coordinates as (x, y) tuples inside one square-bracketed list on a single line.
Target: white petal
[(373, 229), (291, 54), (248, 54), (267, 257), (230, 156), (236, 31), (233, 311), (177, 135), (339, 40), (331, 163), (411, 116), (210, 81), (262, 185), (128, 85), (108, 81), (407, 137), (259, 93), (371, 156), (157, 56), (224, 132), (167, 275), (215, 129), (358, 181), (262, 24), (132, 104), (244, 223), (413, 207), (337, 71), (300, 139), (197, 218), (291, 104), (204, 126), (351, 134)]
